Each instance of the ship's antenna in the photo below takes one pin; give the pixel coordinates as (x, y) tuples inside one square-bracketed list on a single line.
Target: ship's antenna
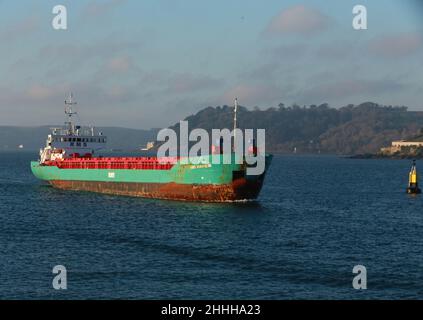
[(70, 112), (235, 120)]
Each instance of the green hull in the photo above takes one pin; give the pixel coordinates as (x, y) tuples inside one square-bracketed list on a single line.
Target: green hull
[(203, 182)]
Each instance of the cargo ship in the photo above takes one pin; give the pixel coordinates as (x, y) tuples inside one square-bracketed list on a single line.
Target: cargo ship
[(69, 161)]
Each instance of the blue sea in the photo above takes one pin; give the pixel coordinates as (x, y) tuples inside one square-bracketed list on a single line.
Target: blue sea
[(316, 218)]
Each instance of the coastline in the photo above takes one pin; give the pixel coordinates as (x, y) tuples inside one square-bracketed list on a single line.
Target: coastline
[(384, 156)]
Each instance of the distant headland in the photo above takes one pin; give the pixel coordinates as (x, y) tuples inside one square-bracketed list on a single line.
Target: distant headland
[(411, 148), (313, 129)]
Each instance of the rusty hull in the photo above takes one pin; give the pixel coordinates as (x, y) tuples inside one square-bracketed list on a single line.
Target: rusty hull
[(239, 189)]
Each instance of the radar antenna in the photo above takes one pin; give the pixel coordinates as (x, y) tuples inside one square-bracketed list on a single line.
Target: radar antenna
[(69, 103)]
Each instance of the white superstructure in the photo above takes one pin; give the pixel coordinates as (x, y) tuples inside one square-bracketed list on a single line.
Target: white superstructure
[(72, 140)]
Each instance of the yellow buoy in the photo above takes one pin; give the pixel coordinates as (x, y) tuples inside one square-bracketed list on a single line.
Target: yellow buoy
[(413, 180)]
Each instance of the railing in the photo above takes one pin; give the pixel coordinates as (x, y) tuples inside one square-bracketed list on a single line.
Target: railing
[(115, 163)]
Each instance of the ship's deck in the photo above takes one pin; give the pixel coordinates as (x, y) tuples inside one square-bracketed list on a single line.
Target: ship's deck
[(115, 163)]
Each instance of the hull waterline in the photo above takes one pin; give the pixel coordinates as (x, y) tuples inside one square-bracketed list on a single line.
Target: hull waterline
[(236, 191)]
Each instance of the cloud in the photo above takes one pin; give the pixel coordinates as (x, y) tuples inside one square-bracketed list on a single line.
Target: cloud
[(298, 20), (80, 58), (119, 64), (52, 95), (20, 29), (293, 51), (102, 48), (252, 94), (338, 50), (263, 72), (350, 88), (39, 92), (42, 103), (118, 91), (396, 46), (186, 82), (99, 8)]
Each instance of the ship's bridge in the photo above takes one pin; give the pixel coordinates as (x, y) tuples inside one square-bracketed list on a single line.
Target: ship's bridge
[(70, 143), (72, 139)]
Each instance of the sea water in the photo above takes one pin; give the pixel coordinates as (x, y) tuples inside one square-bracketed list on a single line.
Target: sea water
[(316, 218)]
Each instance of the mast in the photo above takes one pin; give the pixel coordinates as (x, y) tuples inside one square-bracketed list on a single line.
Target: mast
[(235, 121), (69, 113)]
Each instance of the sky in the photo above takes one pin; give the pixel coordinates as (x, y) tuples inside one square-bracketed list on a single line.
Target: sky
[(150, 63)]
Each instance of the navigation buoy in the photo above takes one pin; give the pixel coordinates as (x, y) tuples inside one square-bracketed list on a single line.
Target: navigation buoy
[(413, 183)]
